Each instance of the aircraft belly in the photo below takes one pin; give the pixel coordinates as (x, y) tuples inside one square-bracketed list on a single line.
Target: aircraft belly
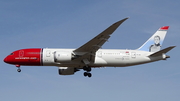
[(99, 62), (115, 61), (125, 61)]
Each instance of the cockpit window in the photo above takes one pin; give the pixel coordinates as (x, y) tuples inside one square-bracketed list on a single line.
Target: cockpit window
[(11, 54)]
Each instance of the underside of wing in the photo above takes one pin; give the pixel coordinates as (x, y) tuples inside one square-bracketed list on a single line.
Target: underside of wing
[(96, 43), (89, 49)]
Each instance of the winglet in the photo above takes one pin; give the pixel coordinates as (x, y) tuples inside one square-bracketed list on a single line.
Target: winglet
[(162, 51)]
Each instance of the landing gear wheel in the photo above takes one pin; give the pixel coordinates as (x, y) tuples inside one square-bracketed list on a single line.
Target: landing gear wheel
[(87, 68), (87, 74), (19, 70)]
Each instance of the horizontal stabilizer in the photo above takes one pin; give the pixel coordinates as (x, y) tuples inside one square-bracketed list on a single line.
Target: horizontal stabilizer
[(162, 51)]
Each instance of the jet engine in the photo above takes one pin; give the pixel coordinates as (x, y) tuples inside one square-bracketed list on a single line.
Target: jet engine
[(67, 70), (61, 56)]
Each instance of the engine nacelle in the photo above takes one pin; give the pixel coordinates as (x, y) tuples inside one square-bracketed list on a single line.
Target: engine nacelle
[(61, 56), (66, 71)]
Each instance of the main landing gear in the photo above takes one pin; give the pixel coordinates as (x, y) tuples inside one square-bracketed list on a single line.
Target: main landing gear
[(87, 74), (88, 70), (18, 66)]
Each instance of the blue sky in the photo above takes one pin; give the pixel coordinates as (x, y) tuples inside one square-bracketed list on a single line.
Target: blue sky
[(69, 24)]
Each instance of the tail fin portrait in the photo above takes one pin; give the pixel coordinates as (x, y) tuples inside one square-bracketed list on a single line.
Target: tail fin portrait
[(154, 43)]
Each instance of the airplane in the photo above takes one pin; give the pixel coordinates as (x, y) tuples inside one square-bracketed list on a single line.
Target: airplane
[(90, 55)]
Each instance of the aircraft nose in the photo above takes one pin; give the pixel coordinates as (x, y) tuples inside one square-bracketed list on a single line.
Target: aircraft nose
[(6, 60)]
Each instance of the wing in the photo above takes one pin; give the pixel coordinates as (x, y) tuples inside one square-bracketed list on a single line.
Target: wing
[(94, 44)]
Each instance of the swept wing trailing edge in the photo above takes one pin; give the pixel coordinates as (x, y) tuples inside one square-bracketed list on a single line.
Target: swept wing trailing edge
[(96, 43)]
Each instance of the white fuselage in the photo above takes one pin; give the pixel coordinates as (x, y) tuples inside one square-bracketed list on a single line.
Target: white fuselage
[(103, 58)]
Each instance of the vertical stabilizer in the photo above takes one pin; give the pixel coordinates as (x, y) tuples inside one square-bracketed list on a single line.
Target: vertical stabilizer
[(154, 43)]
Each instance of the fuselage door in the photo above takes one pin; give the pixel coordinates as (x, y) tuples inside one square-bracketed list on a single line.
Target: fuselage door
[(133, 54), (48, 53), (99, 54)]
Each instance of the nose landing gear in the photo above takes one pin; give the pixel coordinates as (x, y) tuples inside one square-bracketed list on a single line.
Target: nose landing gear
[(18, 66), (19, 70)]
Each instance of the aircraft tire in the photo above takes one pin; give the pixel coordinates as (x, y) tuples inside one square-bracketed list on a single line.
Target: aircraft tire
[(19, 70), (89, 75), (87, 68), (85, 74)]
